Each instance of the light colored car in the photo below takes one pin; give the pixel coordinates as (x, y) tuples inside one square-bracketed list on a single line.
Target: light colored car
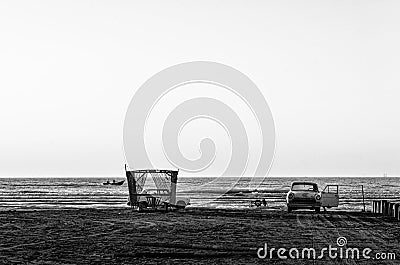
[(303, 195)]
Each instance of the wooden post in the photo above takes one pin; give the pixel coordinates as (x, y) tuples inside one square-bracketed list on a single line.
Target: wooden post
[(385, 207), (172, 194), (392, 212), (396, 211), (131, 187)]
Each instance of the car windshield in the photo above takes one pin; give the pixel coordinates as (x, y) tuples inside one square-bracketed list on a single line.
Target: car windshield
[(304, 187)]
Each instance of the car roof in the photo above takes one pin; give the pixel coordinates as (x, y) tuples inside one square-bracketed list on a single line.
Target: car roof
[(304, 183)]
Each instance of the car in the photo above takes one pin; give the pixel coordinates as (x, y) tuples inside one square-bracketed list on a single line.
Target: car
[(303, 195)]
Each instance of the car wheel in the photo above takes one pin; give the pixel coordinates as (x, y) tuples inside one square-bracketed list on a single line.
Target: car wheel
[(317, 209)]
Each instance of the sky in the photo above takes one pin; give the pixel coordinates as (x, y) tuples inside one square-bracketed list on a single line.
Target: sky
[(329, 71)]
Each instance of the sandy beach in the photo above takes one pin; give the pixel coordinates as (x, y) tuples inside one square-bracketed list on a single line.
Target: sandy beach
[(194, 236)]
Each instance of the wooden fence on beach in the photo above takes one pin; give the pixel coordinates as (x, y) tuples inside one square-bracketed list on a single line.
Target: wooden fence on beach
[(386, 208)]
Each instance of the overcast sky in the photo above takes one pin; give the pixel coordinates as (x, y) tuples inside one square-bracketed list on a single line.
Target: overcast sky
[(329, 71)]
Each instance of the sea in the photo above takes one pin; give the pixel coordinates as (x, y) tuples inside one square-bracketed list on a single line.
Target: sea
[(356, 193)]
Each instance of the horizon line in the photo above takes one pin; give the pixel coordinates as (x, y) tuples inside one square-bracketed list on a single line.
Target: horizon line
[(211, 176)]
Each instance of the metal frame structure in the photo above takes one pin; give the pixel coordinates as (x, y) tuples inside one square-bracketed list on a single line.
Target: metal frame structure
[(136, 180)]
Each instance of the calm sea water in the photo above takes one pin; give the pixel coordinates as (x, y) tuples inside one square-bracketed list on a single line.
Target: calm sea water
[(50, 193)]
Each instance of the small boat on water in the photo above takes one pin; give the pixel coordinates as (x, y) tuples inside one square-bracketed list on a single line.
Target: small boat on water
[(116, 183)]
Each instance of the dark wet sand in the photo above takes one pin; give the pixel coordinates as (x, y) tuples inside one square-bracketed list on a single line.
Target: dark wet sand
[(194, 236)]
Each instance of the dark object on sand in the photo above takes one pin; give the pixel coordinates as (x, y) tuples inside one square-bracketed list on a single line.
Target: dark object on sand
[(386, 208), (162, 198), (264, 202), (259, 203), (119, 183)]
